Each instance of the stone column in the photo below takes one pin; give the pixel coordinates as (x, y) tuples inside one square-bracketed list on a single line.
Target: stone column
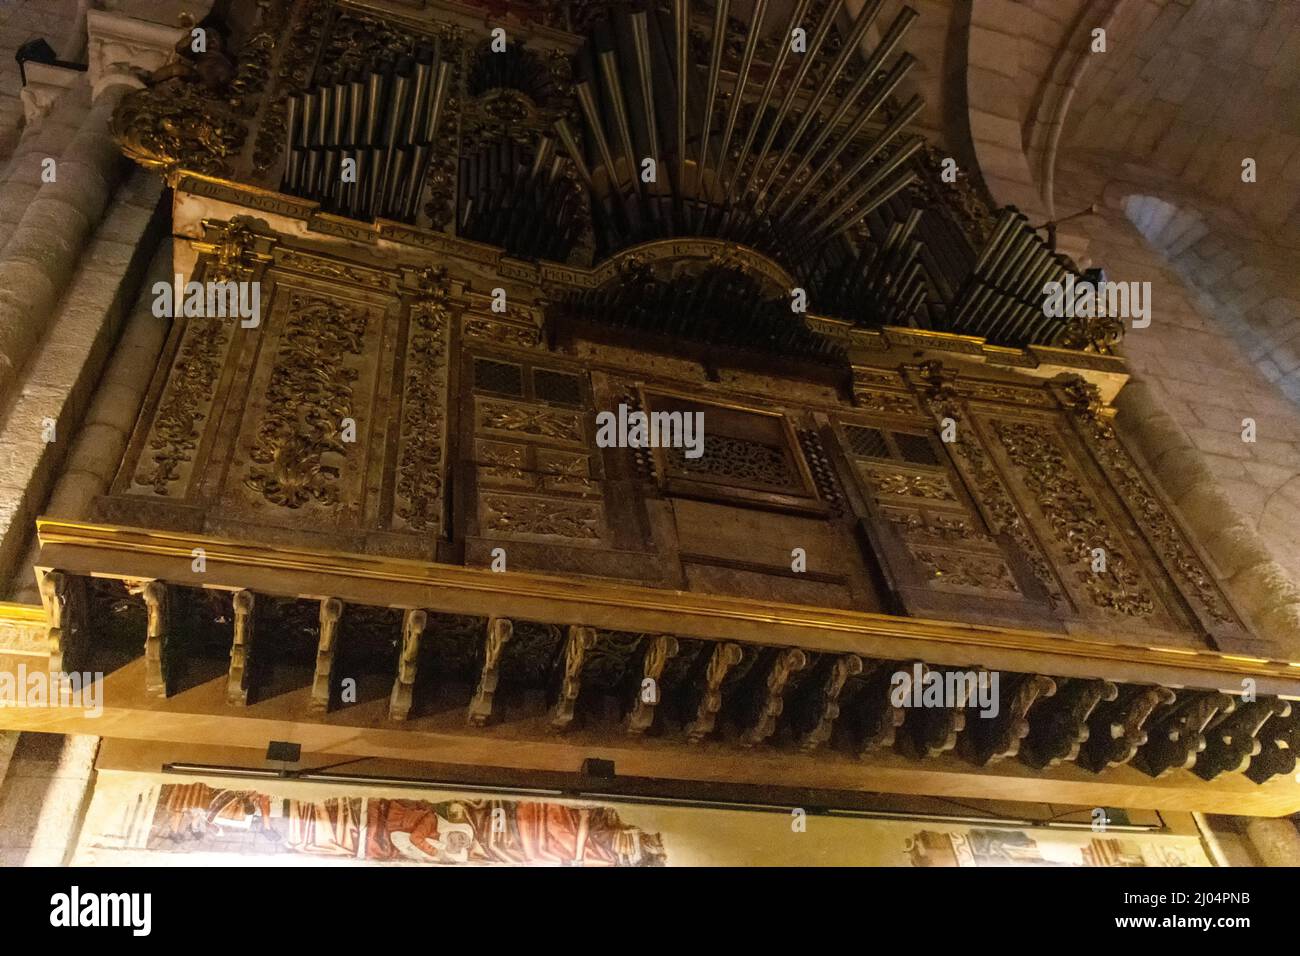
[(1275, 841), (39, 256), (44, 249), (97, 451)]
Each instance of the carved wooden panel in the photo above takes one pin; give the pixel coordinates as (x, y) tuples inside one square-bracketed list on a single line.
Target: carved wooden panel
[(922, 525), (1048, 474), (536, 473), (304, 432), (328, 417), (1177, 554), (746, 453), (424, 426)]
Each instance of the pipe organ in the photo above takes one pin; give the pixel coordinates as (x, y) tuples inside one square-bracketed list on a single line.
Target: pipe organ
[(472, 245)]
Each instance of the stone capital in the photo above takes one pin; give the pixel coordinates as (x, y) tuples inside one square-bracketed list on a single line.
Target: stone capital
[(124, 50), (45, 83)]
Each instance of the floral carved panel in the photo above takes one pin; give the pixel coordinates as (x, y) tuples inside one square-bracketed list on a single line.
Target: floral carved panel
[(302, 447)]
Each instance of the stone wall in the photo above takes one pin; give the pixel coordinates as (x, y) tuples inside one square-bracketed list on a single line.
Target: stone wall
[(43, 796), (1190, 89), (22, 20)]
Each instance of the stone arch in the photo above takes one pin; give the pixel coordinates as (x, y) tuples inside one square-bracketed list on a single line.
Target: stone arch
[(1223, 271)]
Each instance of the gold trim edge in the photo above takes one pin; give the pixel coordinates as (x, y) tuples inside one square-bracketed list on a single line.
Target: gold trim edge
[(532, 585)]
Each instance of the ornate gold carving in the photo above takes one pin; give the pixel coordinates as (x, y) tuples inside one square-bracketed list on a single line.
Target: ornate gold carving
[(332, 269), (414, 622), (1101, 334), (292, 75), (422, 444), (963, 569), (999, 509), (658, 651), (186, 400), (1011, 394), (502, 333), (866, 378), (515, 514), (499, 631), (539, 422), (563, 471), (579, 641), (737, 459), (193, 116), (178, 125), (705, 250), (1084, 399), (232, 250), (356, 40), (967, 198), (1075, 518), (504, 464), (908, 484), (298, 449), (914, 526), (897, 403), (1153, 518)]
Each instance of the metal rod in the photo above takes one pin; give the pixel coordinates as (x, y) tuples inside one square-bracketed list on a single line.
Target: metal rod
[(681, 30), (886, 46), (773, 77), (902, 119), (742, 78), (823, 28), (865, 17), (715, 67), (588, 105), (896, 75)]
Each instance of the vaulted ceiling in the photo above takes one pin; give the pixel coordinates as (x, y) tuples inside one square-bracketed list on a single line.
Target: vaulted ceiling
[(1193, 87)]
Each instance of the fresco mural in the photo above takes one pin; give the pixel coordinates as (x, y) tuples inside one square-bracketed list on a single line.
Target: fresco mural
[(166, 819), (977, 847), (198, 818)]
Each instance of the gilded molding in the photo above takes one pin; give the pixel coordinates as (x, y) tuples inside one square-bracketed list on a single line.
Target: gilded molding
[(298, 450), (1075, 519), (421, 463), (90, 547), (1176, 552)]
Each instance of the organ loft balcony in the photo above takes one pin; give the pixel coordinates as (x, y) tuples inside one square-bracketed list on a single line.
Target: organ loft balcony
[(386, 494)]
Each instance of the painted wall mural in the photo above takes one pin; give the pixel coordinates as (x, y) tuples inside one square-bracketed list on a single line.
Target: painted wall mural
[(979, 847), (166, 819), (198, 818)]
